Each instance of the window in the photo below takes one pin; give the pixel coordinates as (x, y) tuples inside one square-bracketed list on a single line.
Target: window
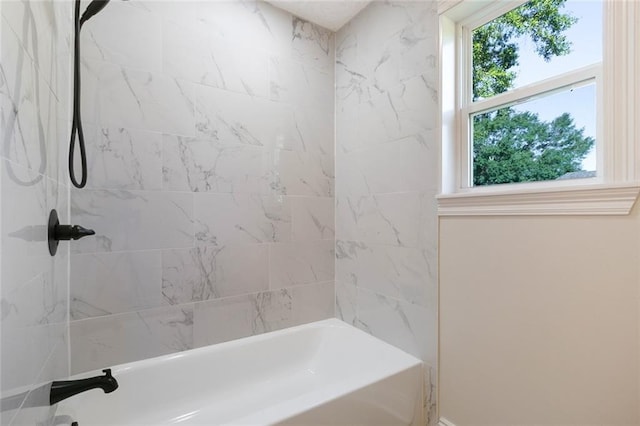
[(533, 107)]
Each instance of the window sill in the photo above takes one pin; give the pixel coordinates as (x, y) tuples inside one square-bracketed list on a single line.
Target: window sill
[(611, 199)]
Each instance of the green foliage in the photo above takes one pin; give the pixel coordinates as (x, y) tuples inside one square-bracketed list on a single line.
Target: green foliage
[(511, 146), (514, 147), (495, 51)]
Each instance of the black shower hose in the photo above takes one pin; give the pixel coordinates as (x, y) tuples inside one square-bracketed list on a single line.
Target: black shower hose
[(76, 126)]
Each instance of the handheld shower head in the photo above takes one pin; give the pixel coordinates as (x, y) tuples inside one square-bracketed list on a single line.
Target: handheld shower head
[(76, 128), (94, 7)]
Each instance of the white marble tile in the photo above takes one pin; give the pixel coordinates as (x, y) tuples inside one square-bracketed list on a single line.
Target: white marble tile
[(313, 130), (195, 55), (33, 295), (313, 302), (125, 33), (184, 13), (347, 128), (351, 84), (391, 219), (133, 99), (199, 165), (25, 351), (407, 326), (25, 211), (33, 323), (104, 341), (41, 300), (312, 44), (232, 119), (29, 109), (406, 109), (292, 264), (430, 395), (346, 302), (59, 155), (41, 29), (383, 20), (132, 220), (204, 273), (235, 317), (386, 173), (354, 80), (56, 366), (110, 283), (312, 218), (402, 46), (346, 41), (119, 158), (18, 363), (300, 173), (428, 228), (222, 219), (386, 44), (232, 318), (300, 85), (351, 181), (281, 71), (248, 24), (49, 128), (408, 274), (408, 164), (62, 82), (182, 43)]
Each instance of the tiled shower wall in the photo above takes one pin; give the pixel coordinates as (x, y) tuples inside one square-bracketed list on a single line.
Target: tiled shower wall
[(210, 132), (34, 110), (386, 174)]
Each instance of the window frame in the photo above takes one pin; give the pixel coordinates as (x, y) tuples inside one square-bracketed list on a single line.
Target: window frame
[(616, 186)]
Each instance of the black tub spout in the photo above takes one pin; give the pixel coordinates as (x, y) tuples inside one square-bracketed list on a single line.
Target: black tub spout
[(67, 388)]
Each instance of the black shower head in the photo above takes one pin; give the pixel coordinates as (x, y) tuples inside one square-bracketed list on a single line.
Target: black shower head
[(76, 128), (94, 7)]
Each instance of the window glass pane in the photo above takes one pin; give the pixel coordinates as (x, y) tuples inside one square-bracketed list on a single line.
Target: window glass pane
[(548, 138), (538, 40)]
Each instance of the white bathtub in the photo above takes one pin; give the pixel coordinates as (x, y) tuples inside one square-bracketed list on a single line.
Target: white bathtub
[(326, 372)]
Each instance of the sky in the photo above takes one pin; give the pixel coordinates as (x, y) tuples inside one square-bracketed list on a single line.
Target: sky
[(586, 38)]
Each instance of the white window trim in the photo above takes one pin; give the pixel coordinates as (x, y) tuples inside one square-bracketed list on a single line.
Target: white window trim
[(617, 186)]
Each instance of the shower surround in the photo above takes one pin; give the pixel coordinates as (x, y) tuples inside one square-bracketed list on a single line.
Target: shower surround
[(211, 181), (211, 138), (387, 176)]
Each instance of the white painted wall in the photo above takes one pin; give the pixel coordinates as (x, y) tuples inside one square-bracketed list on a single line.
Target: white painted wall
[(539, 320)]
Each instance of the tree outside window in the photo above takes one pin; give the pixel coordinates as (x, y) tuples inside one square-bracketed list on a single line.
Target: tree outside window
[(511, 144)]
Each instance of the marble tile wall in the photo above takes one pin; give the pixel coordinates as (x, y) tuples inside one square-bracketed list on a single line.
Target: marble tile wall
[(210, 130), (211, 186), (386, 178), (34, 110)]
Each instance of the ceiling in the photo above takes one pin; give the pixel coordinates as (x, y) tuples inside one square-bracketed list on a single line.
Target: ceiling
[(330, 14)]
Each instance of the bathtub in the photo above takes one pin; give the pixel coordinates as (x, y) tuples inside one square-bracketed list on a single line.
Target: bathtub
[(326, 372)]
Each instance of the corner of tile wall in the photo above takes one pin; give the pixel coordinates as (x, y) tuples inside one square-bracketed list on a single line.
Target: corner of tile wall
[(386, 174)]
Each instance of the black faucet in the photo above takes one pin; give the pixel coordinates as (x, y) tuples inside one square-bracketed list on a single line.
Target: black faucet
[(67, 388), (57, 232)]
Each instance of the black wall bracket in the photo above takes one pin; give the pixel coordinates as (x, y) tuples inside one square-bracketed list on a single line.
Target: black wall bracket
[(57, 232)]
